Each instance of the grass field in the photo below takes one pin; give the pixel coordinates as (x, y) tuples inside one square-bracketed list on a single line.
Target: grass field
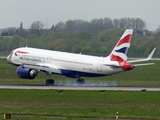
[(53, 118), (140, 76), (129, 104), (79, 104)]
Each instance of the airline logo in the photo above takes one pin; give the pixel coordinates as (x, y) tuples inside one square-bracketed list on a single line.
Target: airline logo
[(120, 51), (21, 52)]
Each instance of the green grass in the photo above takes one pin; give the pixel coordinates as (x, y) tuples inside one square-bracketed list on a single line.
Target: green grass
[(140, 76), (129, 104), (49, 118)]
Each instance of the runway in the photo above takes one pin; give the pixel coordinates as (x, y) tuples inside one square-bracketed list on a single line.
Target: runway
[(122, 88)]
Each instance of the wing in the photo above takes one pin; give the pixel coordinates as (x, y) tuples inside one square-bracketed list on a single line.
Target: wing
[(142, 60), (45, 68)]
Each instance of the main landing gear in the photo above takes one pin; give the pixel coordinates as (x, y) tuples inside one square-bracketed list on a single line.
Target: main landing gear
[(49, 82), (80, 81)]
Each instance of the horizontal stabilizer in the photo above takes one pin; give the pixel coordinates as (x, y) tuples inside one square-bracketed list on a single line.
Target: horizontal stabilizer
[(148, 58), (144, 64)]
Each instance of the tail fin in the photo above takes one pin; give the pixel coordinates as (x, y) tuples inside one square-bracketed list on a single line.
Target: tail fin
[(120, 51)]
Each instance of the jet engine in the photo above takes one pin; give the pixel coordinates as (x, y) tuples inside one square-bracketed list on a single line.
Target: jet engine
[(25, 73)]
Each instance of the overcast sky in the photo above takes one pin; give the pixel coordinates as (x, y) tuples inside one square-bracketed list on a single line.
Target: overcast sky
[(49, 12)]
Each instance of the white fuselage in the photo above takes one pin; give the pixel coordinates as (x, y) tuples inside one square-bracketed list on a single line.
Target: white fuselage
[(58, 61), (31, 61)]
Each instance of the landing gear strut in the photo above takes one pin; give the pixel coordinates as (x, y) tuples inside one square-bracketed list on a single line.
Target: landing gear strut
[(80, 82), (49, 82)]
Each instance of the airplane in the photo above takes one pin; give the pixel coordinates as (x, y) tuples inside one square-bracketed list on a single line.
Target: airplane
[(30, 61)]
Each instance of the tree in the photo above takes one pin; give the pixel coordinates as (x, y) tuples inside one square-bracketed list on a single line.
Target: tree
[(158, 29), (60, 27), (22, 32), (108, 22), (21, 28), (84, 35), (69, 25), (116, 23), (136, 24), (36, 27)]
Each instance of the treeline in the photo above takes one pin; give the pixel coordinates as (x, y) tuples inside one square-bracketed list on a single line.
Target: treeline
[(76, 26), (97, 37), (83, 42), (97, 25)]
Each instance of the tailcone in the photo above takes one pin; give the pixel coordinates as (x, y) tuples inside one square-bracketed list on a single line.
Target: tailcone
[(126, 66)]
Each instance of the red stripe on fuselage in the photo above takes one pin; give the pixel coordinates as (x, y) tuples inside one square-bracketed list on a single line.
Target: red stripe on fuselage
[(22, 52), (126, 39)]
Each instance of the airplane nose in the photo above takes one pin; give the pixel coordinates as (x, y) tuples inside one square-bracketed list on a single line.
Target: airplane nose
[(9, 57)]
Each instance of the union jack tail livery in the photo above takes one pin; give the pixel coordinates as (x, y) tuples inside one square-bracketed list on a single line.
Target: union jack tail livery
[(120, 51)]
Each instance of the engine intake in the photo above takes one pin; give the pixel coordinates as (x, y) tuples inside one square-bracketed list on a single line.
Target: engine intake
[(25, 73)]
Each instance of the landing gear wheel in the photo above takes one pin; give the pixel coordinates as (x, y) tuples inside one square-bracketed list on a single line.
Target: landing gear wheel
[(49, 82), (80, 82)]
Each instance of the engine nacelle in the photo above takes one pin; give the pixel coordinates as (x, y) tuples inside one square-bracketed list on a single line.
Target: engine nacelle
[(25, 73)]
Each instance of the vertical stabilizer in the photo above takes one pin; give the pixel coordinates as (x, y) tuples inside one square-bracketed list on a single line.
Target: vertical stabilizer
[(120, 51)]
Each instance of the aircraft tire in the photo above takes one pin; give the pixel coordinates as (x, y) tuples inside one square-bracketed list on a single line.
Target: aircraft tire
[(49, 82), (80, 81)]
